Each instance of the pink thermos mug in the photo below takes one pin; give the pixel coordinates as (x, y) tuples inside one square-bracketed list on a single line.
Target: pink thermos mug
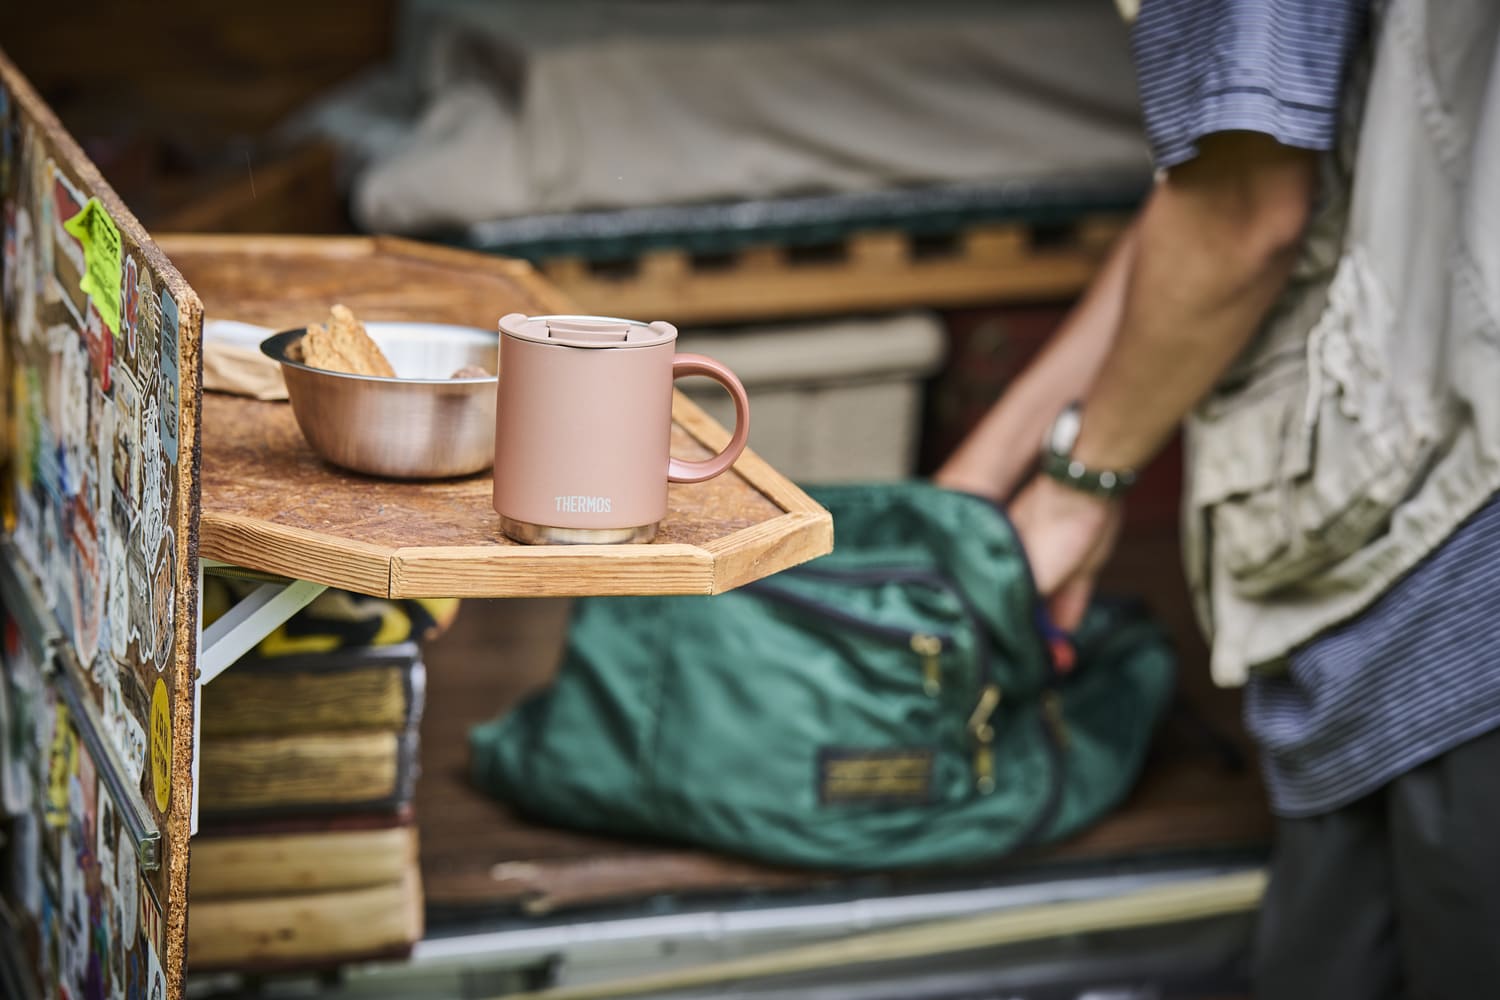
[(583, 427)]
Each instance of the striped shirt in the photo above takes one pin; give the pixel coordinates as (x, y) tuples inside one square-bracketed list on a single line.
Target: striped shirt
[(1270, 66), (1419, 671), (1413, 677)]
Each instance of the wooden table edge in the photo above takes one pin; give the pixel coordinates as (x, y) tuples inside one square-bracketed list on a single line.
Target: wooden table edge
[(769, 547), (243, 541), (550, 570)]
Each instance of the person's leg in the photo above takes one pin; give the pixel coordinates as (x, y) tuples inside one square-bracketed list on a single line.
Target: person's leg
[(1327, 924), (1445, 834)]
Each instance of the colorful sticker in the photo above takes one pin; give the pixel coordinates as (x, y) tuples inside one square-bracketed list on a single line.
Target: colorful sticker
[(101, 347), (144, 352), (62, 765), (162, 605), (73, 936), (133, 738), (130, 303), (97, 233), (140, 599), (126, 877), (127, 446), (153, 514), (26, 864), (156, 982), (169, 383), (25, 747), (19, 286), (66, 252), (153, 927), (117, 610), (161, 745), (85, 578), (67, 410), (104, 834), (106, 911)]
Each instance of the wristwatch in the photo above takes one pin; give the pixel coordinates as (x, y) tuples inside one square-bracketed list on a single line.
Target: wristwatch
[(1058, 462)]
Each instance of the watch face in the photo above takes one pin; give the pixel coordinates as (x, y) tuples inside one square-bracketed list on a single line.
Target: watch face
[(1065, 430)]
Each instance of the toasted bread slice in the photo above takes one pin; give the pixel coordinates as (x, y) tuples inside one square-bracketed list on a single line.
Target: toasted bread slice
[(342, 345)]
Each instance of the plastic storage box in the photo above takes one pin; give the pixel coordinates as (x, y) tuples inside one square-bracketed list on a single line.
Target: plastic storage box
[(831, 401)]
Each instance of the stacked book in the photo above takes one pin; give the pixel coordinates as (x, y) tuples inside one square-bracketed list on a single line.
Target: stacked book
[(306, 854)]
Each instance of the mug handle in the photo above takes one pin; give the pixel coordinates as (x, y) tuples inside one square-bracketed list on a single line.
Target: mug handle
[(680, 471)]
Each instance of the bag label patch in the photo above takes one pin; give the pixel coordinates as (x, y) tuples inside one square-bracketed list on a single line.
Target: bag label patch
[(894, 777)]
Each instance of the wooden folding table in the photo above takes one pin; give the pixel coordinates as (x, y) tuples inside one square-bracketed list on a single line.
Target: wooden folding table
[(123, 482)]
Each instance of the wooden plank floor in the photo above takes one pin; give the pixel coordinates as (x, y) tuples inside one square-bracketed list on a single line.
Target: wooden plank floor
[(477, 857)]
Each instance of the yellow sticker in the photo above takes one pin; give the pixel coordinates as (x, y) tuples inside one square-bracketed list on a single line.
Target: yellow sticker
[(161, 745), (62, 764), (103, 261)]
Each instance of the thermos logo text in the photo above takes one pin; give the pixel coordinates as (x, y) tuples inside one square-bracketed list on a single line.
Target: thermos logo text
[(583, 505)]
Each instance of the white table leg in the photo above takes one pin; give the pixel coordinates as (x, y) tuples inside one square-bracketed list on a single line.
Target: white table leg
[(234, 635), (250, 621)]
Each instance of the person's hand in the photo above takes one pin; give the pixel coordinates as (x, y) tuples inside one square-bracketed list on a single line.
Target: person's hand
[(1068, 535)]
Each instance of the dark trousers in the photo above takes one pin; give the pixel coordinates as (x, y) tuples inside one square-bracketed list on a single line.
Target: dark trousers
[(1394, 896)]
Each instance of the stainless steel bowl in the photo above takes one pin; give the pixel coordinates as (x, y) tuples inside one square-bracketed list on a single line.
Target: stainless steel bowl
[(420, 425)]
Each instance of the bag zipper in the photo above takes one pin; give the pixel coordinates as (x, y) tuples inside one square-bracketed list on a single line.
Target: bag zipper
[(981, 732), (928, 646)]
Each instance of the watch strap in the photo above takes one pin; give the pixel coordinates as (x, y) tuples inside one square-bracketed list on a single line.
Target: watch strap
[(1058, 463)]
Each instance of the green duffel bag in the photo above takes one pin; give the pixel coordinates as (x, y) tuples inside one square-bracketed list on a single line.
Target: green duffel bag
[(897, 703)]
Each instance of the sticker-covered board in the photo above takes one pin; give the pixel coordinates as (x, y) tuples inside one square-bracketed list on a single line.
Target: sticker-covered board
[(100, 341)]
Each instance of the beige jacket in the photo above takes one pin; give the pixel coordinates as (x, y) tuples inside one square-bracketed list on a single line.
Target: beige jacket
[(1363, 425)]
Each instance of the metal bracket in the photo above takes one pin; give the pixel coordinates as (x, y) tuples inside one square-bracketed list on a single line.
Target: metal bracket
[(250, 621), (235, 634)]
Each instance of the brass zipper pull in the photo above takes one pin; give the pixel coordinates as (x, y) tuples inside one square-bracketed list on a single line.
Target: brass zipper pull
[(1052, 711), (984, 770), (979, 719), (930, 649), (984, 735)]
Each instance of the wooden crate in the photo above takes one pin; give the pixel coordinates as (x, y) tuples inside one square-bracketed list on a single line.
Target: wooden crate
[(870, 271), (267, 899)]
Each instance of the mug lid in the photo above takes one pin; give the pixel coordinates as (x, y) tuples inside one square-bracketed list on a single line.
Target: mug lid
[(587, 331)]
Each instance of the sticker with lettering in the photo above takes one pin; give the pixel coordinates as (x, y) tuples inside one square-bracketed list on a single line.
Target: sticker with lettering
[(153, 927), (169, 382), (161, 745), (97, 233)]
